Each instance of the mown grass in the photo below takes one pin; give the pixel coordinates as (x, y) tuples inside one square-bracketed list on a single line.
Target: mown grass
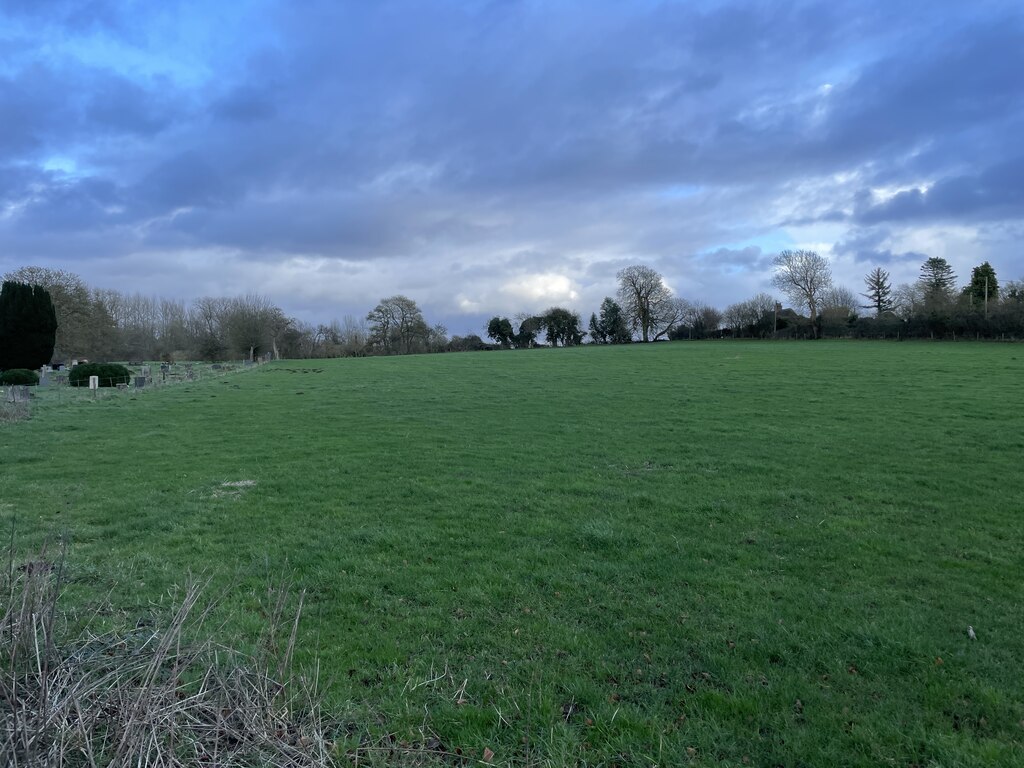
[(718, 553)]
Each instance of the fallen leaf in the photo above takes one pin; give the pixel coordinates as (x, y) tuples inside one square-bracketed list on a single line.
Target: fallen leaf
[(488, 755)]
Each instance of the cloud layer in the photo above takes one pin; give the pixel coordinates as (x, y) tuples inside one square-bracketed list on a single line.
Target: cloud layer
[(501, 156)]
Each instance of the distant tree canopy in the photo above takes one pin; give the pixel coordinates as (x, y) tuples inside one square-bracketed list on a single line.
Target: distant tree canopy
[(562, 327), (28, 326), (983, 288), (803, 276), (81, 321), (397, 325), (610, 326), (647, 302), (753, 318), (500, 330), (105, 325)]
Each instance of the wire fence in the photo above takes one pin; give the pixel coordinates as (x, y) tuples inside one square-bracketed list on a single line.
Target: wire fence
[(55, 388)]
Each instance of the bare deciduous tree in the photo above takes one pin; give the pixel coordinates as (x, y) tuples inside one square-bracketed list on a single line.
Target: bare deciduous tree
[(839, 303), (803, 276), (648, 302)]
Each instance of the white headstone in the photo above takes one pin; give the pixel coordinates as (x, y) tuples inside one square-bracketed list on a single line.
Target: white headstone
[(94, 382)]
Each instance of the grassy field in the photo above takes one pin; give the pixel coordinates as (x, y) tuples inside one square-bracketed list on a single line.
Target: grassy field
[(719, 553)]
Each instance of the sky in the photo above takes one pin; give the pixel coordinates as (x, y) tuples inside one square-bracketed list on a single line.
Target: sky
[(492, 157)]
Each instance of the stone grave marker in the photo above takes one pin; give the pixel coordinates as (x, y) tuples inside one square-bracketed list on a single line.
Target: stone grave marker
[(140, 382), (17, 393), (94, 382)]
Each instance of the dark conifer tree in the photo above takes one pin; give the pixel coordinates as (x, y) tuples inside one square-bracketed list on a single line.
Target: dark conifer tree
[(28, 326)]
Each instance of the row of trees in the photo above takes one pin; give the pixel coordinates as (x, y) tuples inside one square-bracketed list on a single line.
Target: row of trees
[(105, 324), (109, 325), (933, 306)]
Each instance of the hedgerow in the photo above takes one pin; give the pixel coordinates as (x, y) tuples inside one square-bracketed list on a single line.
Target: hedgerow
[(109, 374)]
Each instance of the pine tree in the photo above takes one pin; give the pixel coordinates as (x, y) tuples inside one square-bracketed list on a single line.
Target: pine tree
[(28, 326), (879, 291), (937, 279)]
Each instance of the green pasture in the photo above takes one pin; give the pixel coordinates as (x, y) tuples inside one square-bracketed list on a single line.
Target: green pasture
[(691, 553)]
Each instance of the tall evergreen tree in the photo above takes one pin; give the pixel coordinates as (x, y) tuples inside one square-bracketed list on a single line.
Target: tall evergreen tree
[(28, 326), (611, 326), (879, 292), (983, 290), (937, 279)]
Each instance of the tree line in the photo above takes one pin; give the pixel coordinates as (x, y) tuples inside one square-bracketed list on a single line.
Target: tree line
[(101, 324), (934, 306)]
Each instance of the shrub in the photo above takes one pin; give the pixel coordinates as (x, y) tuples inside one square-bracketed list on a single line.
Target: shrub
[(20, 377), (110, 374)]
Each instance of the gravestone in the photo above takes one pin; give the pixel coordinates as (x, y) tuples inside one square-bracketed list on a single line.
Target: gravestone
[(44, 376), (216, 366), (94, 382), (140, 382), (17, 393)]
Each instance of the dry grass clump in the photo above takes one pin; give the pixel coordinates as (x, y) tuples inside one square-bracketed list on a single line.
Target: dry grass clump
[(160, 695), (14, 411)]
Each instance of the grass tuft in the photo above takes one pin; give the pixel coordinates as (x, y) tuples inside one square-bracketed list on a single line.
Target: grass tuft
[(163, 693)]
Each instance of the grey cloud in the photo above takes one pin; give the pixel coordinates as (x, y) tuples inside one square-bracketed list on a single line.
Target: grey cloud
[(184, 180), (866, 247), (122, 106), (751, 256), (244, 104), (408, 130), (72, 206), (956, 83), (996, 192)]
